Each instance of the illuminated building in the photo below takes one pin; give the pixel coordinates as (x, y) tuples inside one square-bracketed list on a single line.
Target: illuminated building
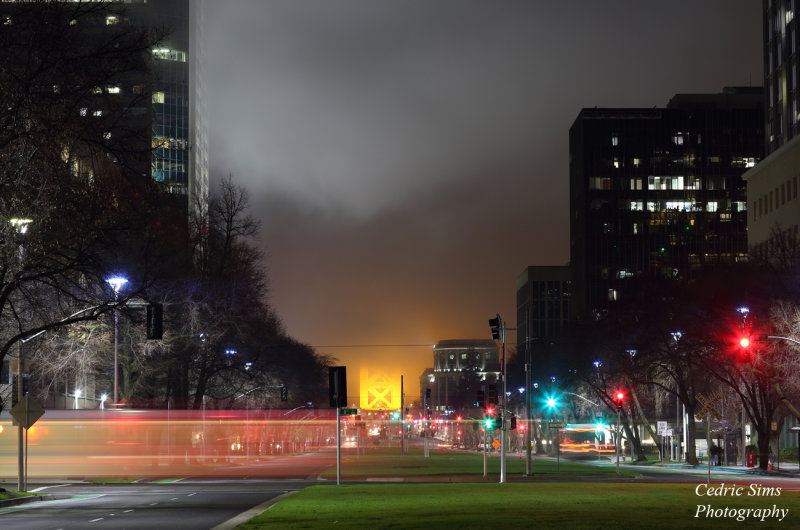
[(657, 194), (460, 369)]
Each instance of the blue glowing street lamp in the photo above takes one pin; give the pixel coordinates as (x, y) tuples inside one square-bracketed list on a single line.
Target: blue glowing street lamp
[(116, 283)]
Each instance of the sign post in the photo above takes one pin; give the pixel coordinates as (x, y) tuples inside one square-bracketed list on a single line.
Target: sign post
[(26, 412), (337, 392)]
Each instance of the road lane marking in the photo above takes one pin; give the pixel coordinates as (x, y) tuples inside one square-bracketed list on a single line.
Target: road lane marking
[(45, 487), (95, 520)]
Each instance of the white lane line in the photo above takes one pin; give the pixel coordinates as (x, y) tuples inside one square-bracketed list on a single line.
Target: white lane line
[(174, 499), (153, 503), (127, 511), (95, 520), (45, 487), (191, 494)]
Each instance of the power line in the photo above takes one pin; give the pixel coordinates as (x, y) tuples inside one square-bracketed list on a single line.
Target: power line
[(374, 346)]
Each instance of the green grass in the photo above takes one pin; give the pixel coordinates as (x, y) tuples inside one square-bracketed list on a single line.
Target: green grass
[(389, 463), (15, 494), (516, 505)]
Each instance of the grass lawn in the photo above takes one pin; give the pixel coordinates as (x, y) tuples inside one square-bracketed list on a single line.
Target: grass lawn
[(386, 463), (516, 505)]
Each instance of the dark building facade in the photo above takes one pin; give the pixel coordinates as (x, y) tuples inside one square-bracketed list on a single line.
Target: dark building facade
[(658, 193), (544, 303), (781, 63)]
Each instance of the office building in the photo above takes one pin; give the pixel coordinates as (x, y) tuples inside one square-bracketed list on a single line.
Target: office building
[(773, 213), (460, 369), (658, 193)]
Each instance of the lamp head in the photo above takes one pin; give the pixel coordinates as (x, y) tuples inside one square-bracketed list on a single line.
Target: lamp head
[(117, 282)]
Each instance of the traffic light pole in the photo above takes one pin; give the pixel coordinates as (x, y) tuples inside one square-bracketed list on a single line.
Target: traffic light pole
[(505, 406), (619, 438)]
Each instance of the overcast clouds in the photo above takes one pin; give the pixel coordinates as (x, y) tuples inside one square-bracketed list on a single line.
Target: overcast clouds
[(409, 159)]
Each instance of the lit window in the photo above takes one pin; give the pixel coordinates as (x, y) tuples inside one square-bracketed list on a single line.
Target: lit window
[(158, 97), (677, 139), (113, 90), (169, 55), (751, 162), (635, 228), (612, 295), (616, 162), (97, 113), (111, 20), (83, 111), (107, 136), (614, 139), (636, 162), (637, 206), (56, 89), (97, 90), (73, 22), (694, 183), (636, 184), (711, 206)]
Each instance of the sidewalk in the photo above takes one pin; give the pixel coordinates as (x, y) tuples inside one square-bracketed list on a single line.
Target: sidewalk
[(786, 469)]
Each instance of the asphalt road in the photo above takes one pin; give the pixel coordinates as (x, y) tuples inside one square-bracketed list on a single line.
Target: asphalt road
[(191, 505)]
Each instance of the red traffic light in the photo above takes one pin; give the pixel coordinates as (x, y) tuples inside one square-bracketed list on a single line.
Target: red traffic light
[(619, 397), (744, 342)]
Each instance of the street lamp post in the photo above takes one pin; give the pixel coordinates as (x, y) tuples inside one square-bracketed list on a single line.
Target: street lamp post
[(116, 283), (21, 226)]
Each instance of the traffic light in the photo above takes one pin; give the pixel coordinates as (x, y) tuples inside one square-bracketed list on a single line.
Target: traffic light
[(513, 423), (155, 321), (619, 398), (744, 341), (493, 395), (494, 323), (284, 393), (481, 399)]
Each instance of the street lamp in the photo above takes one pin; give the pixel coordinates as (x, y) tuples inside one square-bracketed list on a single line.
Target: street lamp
[(20, 224), (116, 283)]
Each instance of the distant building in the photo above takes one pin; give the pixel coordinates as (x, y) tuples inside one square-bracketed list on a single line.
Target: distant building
[(543, 303), (460, 369), (658, 193)]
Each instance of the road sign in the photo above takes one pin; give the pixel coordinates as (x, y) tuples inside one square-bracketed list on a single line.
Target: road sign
[(349, 412), (709, 406), (557, 424), (26, 412), (496, 444)]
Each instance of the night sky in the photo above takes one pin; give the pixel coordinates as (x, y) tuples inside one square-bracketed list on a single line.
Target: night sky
[(409, 158)]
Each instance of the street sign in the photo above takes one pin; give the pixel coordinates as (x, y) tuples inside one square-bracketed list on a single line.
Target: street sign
[(26, 412), (709, 406), (349, 412), (496, 444), (557, 424)]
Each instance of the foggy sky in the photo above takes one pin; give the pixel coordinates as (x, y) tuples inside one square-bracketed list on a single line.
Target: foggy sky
[(408, 159)]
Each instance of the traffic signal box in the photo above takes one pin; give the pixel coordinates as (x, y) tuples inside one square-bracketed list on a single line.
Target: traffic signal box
[(619, 399)]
